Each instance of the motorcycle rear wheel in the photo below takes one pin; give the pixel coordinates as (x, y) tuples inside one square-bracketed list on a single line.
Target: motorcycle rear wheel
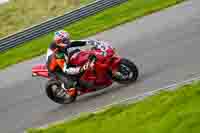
[(53, 88), (128, 71)]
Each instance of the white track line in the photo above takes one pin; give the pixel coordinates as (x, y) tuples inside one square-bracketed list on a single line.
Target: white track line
[(149, 93)]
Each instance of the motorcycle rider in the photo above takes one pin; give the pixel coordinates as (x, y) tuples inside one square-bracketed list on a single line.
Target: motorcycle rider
[(58, 54)]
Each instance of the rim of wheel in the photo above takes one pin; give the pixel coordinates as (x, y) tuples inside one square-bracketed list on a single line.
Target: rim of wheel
[(60, 94), (125, 72)]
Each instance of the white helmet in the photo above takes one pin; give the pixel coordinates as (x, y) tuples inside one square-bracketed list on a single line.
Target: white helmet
[(62, 38)]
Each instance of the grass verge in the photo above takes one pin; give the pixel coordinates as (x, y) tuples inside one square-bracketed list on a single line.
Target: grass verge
[(19, 14), (107, 19), (175, 111)]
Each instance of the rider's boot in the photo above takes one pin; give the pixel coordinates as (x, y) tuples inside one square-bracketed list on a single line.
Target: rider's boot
[(70, 91)]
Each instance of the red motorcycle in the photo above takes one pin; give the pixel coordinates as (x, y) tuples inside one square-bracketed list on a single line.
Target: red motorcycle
[(107, 67)]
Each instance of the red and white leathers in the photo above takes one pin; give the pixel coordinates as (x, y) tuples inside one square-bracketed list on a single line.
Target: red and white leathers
[(63, 61)]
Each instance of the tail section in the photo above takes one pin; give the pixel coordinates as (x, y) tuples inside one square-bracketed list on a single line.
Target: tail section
[(40, 70)]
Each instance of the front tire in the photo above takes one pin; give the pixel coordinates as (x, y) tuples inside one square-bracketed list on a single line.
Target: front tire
[(128, 72), (52, 88)]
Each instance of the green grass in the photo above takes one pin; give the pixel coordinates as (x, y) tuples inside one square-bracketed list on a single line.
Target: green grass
[(107, 19), (175, 111), (19, 14)]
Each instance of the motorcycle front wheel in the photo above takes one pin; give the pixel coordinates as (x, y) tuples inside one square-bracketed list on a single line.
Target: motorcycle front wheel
[(127, 72), (57, 94)]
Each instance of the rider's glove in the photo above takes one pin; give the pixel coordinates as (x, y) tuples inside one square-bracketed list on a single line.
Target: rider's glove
[(91, 42)]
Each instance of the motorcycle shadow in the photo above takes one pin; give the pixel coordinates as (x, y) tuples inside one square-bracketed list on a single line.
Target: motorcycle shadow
[(112, 89)]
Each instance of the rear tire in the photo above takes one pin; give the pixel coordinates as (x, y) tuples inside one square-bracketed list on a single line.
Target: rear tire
[(53, 96), (132, 68)]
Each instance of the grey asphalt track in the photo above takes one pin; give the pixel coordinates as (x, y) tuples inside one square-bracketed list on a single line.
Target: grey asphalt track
[(165, 46)]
